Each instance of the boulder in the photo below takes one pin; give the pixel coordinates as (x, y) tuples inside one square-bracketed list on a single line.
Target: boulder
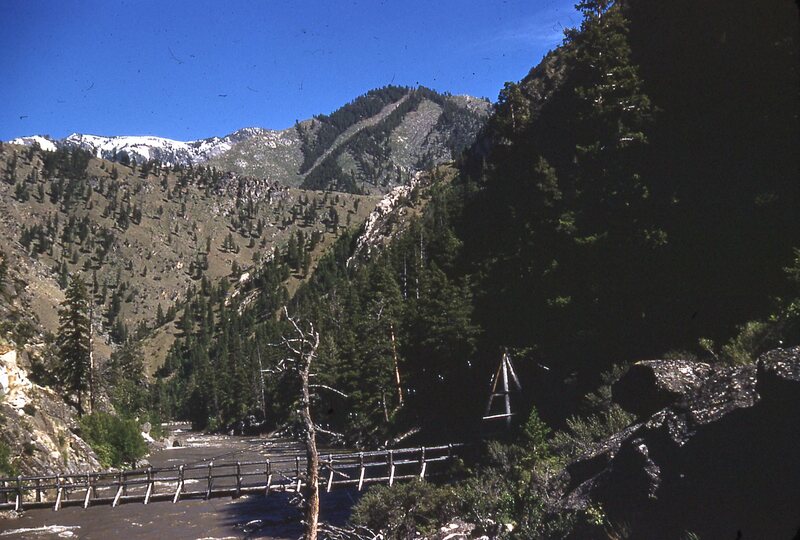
[(721, 460), (651, 385)]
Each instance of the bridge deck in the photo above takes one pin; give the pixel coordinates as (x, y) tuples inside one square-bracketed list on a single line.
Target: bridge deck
[(228, 479)]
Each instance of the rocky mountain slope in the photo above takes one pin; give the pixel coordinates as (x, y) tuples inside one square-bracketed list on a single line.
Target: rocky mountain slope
[(38, 429), (377, 141)]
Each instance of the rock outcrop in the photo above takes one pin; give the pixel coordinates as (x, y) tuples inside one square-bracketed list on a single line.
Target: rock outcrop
[(721, 457), (37, 426), (651, 385)]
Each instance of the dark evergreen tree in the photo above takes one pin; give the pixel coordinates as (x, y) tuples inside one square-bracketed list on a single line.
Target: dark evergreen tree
[(73, 341)]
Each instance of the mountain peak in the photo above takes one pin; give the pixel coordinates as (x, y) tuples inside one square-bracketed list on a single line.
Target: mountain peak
[(376, 141)]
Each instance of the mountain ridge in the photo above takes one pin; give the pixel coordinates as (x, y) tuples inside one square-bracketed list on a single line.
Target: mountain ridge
[(371, 144)]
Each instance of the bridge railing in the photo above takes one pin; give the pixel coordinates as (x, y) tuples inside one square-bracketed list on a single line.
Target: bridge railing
[(209, 480)]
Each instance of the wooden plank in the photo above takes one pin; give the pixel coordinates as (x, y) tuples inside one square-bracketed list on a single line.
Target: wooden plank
[(494, 416)]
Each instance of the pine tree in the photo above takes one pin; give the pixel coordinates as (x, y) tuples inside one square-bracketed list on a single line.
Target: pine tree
[(3, 266), (128, 385), (159, 316), (73, 341)]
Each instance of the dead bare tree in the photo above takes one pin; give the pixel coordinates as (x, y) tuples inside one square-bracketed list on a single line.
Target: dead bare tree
[(301, 349)]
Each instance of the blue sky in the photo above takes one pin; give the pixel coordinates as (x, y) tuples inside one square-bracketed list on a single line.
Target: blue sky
[(194, 69)]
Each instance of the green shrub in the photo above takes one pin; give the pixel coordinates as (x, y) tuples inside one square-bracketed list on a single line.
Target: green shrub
[(754, 338), (404, 510), (116, 441), (7, 468), (489, 499), (583, 432)]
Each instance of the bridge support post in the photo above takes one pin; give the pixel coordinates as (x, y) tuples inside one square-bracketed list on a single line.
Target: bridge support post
[(88, 496), (268, 472), (59, 493), (422, 464), (330, 476), (361, 470), (150, 485), (297, 472), (38, 490), (18, 502), (178, 489), (120, 489), (391, 467), (210, 479), (238, 480)]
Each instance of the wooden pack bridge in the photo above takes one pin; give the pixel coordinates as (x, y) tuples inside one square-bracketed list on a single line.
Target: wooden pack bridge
[(227, 479)]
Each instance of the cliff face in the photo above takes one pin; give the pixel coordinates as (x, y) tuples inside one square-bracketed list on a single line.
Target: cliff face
[(721, 456), (37, 426)]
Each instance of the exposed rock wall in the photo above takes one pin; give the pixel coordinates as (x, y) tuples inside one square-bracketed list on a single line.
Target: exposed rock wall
[(37, 425)]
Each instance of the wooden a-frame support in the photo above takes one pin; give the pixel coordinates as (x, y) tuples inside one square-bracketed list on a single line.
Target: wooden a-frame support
[(504, 371)]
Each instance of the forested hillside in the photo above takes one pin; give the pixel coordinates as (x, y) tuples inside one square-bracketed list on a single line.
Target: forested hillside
[(640, 192), (381, 139), (615, 209)]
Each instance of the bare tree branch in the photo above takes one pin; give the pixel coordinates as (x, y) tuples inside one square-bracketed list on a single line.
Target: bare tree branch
[(326, 387), (333, 434)]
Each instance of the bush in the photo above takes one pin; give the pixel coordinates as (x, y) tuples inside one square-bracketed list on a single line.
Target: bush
[(583, 433), (116, 441), (7, 468), (403, 510), (3, 267)]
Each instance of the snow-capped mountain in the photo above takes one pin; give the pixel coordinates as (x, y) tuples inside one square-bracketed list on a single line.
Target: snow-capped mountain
[(377, 141), (146, 148)]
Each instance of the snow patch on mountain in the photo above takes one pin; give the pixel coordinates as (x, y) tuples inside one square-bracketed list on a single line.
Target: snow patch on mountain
[(142, 148), (146, 148), (43, 142)]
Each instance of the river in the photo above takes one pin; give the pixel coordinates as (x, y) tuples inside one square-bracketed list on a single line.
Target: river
[(273, 517)]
